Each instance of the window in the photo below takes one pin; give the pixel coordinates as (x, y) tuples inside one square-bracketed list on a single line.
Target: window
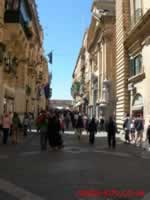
[(135, 65), (138, 100), (136, 11), (24, 11), (12, 4)]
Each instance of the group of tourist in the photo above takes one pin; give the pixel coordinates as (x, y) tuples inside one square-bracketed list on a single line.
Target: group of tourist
[(11, 125), (52, 124), (134, 128)]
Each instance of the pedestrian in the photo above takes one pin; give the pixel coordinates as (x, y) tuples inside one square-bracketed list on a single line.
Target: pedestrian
[(30, 120), (79, 126), (43, 127), (72, 120), (85, 123), (54, 137), (16, 125), (126, 127), (111, 129), (92, 128), (11, 116), (148, 133), (6, 124), (25, 124), (76, 116), (67, 120), (1, 124), (62, 123), (139, 126), (102, 123), (132, 130)]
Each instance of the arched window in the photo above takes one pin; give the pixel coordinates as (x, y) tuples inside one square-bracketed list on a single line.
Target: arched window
[(137, 102)]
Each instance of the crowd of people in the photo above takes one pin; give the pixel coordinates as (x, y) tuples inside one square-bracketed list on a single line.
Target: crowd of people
[(134, 129), (52, 124)]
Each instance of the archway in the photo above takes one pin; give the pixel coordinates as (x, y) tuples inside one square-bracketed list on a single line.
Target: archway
[(137, 105)]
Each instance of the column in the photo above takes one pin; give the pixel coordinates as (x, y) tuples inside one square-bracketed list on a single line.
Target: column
[(99, 65), (102, 67), (91, 83), (105, 60)]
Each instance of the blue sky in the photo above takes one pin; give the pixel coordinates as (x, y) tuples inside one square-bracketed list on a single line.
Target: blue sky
[(64, 23)]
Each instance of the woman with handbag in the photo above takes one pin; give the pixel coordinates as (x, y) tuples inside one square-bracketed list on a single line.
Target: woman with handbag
[(6, 124)]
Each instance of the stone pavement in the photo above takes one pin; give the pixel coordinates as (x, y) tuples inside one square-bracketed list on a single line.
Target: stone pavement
[(27, 173)]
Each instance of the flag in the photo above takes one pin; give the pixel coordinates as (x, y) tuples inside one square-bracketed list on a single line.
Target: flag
[(50, 77), (46, 90), (50, 56)]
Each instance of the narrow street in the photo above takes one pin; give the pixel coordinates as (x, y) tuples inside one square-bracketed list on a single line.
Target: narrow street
[(27, 173)]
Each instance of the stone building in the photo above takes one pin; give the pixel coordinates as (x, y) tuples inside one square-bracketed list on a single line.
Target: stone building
[(101, 47), (132, 58), (21, 56), (95, 68), (80, 86)]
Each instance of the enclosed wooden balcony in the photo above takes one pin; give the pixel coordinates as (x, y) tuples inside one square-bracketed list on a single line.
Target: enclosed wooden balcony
[(18, 12)]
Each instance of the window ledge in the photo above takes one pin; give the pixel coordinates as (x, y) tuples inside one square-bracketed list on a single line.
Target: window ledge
[(137, 78)]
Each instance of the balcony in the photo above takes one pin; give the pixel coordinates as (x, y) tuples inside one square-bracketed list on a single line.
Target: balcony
[(16, 16), (75, 90), (137, 78), (139, 29)]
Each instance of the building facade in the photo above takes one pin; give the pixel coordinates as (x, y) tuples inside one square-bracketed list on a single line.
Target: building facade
[(80, 85), (21, 57), (132, 58), (116, 59), (97, 69), (101, 47)]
